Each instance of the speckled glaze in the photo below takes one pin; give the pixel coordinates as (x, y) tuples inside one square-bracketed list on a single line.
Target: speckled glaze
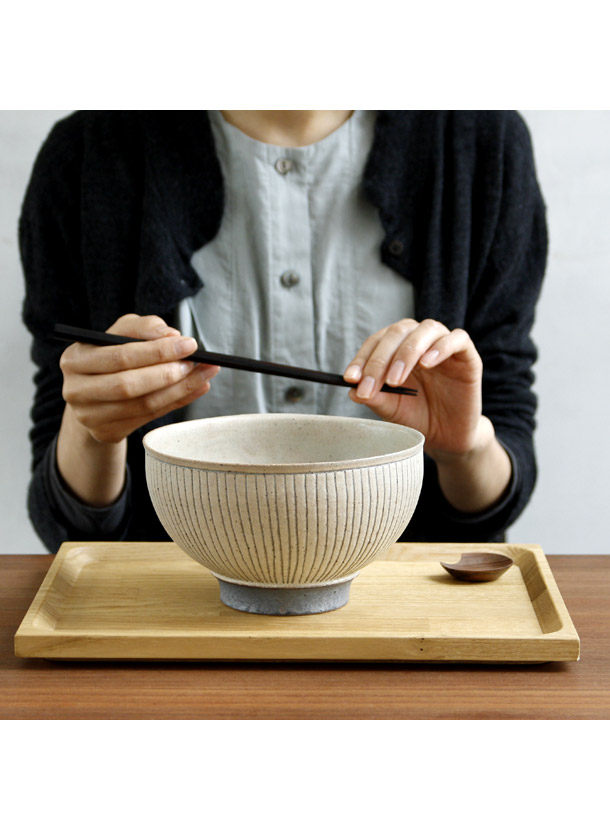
[(284, 501)]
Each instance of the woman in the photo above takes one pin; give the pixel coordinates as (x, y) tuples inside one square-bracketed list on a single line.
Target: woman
[(406, 247)]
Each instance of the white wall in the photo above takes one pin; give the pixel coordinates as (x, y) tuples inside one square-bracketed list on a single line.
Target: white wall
[(567, 512), (21, 134)]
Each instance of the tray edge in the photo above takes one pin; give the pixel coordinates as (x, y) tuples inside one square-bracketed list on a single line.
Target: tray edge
[(30, 641)]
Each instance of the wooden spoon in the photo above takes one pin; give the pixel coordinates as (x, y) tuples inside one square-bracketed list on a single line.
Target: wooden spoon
[(479, 567)]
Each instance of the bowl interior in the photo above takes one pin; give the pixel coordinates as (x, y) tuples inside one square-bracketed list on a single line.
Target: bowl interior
[(264, 440)]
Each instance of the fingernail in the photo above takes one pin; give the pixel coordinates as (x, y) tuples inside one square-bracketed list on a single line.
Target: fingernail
[(365, 390), (185, 346), (429, 359), (353, 372), (396, 372), (164, 331)]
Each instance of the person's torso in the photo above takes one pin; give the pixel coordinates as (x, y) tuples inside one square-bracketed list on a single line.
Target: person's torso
[(294, 275)]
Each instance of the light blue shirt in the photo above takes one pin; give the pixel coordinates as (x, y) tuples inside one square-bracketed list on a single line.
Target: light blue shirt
[(294, 274)]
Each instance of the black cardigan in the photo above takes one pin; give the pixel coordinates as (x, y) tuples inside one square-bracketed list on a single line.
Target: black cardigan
[(119, 201)]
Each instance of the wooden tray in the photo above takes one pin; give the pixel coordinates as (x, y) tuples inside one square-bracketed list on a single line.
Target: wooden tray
[(146, 601)]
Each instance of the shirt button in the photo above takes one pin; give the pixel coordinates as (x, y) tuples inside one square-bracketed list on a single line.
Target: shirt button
[(283, 166), (396, 247), (294, 394), (289, 278)]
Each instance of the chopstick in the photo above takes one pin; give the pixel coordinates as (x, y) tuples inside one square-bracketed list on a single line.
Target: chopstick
[(73, 334)]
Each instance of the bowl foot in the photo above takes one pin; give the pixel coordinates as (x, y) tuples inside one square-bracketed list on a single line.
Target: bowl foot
[(284, 601)]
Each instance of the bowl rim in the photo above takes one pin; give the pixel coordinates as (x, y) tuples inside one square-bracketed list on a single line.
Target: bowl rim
[(292, 467)]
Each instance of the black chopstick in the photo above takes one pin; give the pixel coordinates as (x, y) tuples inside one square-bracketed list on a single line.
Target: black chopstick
[(73, 334)]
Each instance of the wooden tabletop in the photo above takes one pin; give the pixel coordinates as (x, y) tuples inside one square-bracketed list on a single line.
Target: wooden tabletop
[(40, 689)]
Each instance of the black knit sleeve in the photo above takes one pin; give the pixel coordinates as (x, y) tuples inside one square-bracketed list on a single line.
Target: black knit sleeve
[(501, 312), (504, 287), (50, 246)]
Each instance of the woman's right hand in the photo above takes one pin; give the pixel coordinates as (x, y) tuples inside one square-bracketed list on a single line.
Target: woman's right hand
[(113, 390)]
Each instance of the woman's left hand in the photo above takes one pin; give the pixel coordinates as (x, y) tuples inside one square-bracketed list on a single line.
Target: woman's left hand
[(446, 369)]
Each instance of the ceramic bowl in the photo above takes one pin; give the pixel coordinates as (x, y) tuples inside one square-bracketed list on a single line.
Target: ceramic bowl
[(284, 509)]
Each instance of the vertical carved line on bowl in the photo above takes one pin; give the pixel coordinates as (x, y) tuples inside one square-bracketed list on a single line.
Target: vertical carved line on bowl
[(411, 474), (183, 532), (382, 540), (329, 530), (300, 513), (395, 499), (210, 539), (416, 472), (292, 527), (362, 552), (213, 547), (413, 486), (152, 479), (251, 505), (322, 522), (341, 486), (169, 498), (216, 510), (405, 469), (357, 518), (301, 522), (198, 509), (371, 525), (409, 505), (153, 487), (177, 474), (235, 552), (197, 549), (322, 553), (378, 496), (315, 534), (173, 501), (250, 548), (389, 475), (265, 527), (281, 517), (332, 525), (403, 490), (401, 498), (379, 526), (339, 500), (375, 492), (358, 512), (273, 543), (188, 486), (339, 535), (310, 521), (387, 514), (160, 498), (350, 521), (269, 482), (186, 513), (229, 504), (279, 486)]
